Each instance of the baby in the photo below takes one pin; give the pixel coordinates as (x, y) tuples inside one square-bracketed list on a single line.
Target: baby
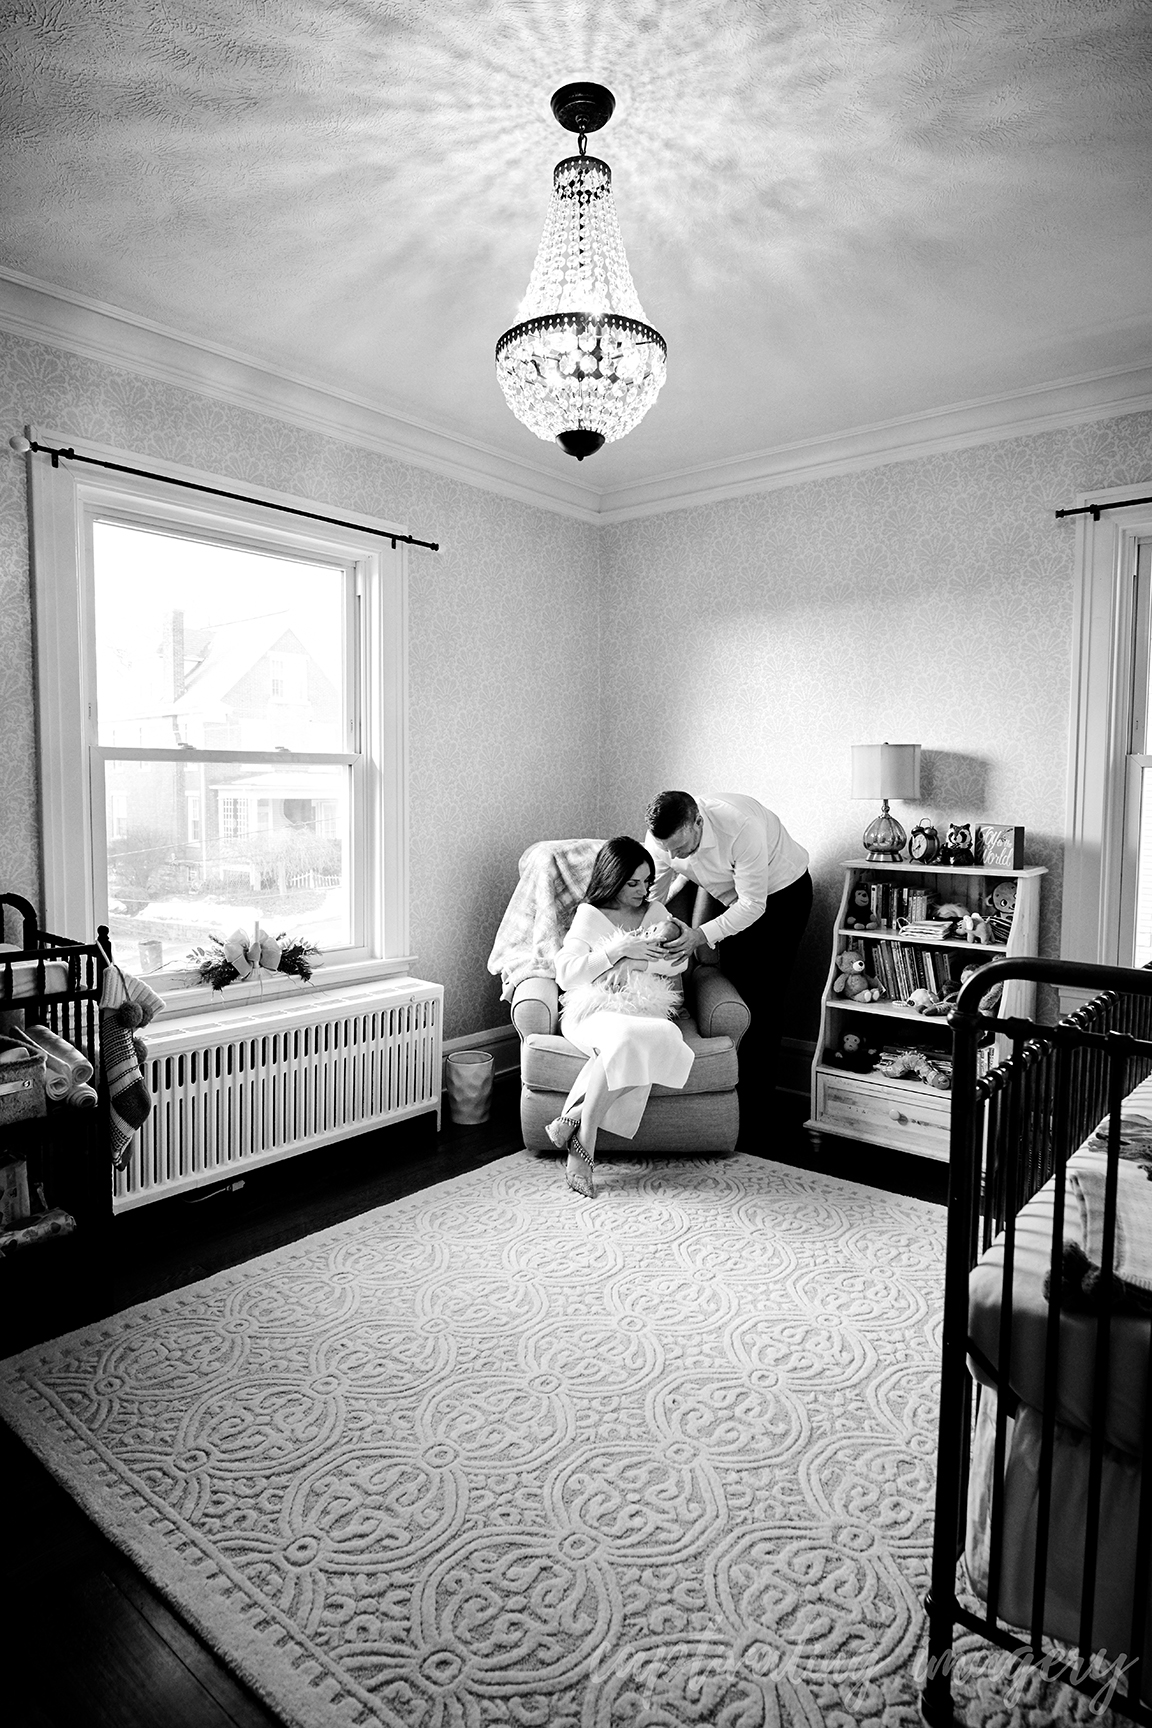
[(662, 934)]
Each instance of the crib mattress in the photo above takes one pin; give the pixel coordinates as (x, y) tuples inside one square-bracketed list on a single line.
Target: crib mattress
[(21, 978), (1130, 1334)]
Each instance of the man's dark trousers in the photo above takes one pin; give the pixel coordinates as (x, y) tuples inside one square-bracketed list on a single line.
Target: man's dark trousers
[(759, 960)]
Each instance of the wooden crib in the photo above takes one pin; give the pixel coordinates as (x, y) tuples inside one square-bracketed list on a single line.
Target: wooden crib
[(53, 981), (1043, 1527)]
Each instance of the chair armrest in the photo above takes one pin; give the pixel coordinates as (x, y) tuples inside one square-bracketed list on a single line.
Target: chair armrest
[(717, 1006), (535, 1006)]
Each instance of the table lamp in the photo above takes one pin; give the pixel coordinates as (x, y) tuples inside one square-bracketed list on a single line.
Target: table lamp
[(885, 771)]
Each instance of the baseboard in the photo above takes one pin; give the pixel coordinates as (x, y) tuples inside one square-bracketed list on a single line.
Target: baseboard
[(500, 1042)]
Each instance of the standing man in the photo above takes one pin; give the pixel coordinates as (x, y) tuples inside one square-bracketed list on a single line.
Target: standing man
[(745, 858)]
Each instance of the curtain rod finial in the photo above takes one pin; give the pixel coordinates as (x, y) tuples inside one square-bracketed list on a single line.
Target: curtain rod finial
[(20, 445)]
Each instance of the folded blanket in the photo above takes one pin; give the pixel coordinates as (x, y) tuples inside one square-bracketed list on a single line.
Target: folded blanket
[(63, 1058), (554, 875)]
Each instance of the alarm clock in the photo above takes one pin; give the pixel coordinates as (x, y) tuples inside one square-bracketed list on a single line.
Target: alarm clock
[(923, 843)]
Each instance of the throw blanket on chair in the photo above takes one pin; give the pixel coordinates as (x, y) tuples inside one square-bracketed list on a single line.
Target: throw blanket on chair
[(553, 877)]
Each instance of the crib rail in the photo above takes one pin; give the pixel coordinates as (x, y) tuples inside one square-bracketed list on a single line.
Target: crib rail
[(1013, 1130)]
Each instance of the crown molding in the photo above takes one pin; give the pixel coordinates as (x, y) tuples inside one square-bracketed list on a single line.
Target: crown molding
[(988, 420), (96, 331), (45, 313)]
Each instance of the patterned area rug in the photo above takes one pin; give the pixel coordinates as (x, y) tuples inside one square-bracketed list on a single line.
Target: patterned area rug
[(491, 1454)]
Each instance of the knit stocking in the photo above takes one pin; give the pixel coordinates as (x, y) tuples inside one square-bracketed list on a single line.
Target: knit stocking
[(125, 1003), (129, 1100)]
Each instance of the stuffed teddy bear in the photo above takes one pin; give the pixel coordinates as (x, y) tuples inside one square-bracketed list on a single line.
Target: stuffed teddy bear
[(855, 1053), (859, 914), (957, 849), (853, 980)]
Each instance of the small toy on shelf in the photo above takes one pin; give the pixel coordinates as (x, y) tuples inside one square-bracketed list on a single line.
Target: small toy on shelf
[(926, 1002), (957, 851), (914, 1065), (974, 928), (991, 999), (853, 980), (1001, 905), (855, 1052), (860, 915)]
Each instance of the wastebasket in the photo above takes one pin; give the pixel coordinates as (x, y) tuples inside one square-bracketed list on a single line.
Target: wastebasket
[(468, 1078)]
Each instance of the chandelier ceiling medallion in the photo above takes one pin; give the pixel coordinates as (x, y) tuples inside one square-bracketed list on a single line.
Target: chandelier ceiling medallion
[(583, 367)]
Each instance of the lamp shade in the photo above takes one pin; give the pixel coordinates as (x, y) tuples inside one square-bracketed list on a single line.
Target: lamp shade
[(885, 771)]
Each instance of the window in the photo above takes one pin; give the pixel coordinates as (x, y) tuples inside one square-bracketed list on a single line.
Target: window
[(1107, 903), (238, 744), (233, 818), (288, 677)]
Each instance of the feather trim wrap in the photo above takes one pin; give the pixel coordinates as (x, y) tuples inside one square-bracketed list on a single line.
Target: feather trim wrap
[(638, 993)]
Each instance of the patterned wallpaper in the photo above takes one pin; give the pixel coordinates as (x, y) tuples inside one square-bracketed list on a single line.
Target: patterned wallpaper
[(560, 674), (503, 645), (748, 644)]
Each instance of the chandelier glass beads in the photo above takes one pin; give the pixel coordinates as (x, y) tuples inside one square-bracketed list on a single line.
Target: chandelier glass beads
[(583, 367)]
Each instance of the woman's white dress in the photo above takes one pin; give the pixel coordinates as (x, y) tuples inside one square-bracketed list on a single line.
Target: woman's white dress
[(638, 1050)]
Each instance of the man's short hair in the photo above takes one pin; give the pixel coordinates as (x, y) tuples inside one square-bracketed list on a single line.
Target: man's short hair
[(669, 811)]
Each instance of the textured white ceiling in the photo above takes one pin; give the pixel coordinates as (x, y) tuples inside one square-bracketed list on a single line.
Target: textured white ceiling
[(835, 211)]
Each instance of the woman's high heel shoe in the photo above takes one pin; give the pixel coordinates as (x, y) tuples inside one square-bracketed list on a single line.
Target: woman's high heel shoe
[(560, 1131), (578, 1173)]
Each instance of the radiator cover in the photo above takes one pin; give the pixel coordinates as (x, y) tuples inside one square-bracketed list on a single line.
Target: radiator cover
[(246, 1086)]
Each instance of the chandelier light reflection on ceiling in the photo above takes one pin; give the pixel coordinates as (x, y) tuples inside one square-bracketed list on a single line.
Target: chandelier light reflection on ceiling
[(583, 367)]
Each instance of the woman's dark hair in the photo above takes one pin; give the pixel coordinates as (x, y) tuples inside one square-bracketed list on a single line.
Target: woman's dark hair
[(616, 861)]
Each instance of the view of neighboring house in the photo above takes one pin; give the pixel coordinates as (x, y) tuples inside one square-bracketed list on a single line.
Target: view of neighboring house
[(249, 685)]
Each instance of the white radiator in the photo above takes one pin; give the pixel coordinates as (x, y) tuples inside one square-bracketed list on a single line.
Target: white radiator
[(249, 1085)]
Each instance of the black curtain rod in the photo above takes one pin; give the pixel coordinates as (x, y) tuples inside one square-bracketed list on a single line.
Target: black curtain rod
[(23, 445), (1094, 510)]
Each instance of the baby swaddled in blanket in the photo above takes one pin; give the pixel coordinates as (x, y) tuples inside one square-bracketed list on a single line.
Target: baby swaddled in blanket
[(649, 986)]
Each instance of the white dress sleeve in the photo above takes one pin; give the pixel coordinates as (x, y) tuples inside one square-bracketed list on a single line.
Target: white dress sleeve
[(592, 945)]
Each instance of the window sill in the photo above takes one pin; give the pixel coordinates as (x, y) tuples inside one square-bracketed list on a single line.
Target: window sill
[(201, 998)]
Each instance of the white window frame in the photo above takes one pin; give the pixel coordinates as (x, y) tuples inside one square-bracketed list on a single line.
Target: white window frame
[(64, 502), (1093, 918)]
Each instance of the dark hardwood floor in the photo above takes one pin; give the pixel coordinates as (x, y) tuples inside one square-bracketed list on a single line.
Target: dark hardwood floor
[(89, 1641)]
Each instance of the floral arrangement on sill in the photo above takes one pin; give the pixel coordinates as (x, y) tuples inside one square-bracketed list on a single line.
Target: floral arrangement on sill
[(251, 959)]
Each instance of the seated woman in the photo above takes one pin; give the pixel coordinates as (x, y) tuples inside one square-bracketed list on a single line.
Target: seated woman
[(620, 990)]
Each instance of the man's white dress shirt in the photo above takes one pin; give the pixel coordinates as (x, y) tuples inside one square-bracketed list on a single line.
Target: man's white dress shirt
[(745, 854)]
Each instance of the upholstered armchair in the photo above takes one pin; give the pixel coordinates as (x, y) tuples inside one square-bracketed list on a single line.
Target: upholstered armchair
[(704, 1116)]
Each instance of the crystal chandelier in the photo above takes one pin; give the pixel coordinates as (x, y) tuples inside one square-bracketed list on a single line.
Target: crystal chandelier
[(583, 367)]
